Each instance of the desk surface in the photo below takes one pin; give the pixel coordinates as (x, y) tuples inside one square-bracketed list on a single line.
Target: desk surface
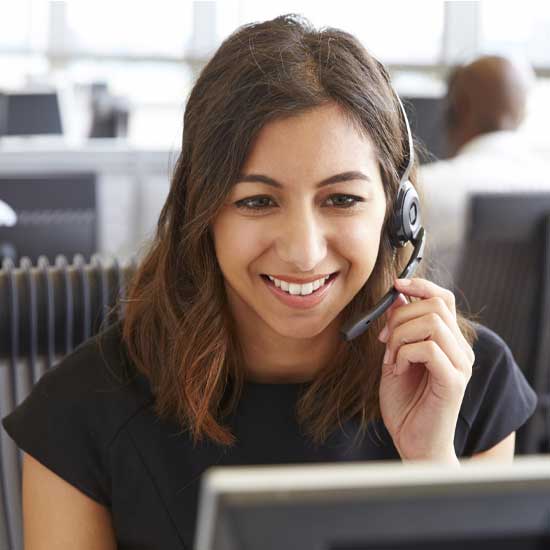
[(56, 153)]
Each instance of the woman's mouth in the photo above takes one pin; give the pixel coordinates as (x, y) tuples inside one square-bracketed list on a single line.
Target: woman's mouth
[(293, 297)]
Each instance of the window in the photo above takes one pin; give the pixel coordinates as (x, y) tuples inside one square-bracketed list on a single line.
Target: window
[(141, 49), (400, 32), (520, 29), (129, 28), (23, 25)]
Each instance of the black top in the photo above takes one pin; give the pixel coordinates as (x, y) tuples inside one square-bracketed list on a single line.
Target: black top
[(101, 435)]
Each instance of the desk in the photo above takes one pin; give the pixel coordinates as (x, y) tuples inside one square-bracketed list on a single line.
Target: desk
[(132, 182)]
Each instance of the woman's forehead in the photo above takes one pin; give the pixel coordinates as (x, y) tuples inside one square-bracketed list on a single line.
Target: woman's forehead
[(323, 138)]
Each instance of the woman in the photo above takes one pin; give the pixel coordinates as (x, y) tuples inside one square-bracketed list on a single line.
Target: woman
[(293, 147)]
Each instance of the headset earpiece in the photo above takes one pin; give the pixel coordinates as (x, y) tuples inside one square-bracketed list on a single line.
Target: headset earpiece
[(405, 225), (406, 220)]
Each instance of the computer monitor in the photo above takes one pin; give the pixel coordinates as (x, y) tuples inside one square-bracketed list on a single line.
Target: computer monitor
[(56, 214), (426, 117), (29, 113), (377, 506)]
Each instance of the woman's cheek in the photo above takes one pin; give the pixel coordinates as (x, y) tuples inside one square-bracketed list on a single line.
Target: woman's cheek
[(361, 239)]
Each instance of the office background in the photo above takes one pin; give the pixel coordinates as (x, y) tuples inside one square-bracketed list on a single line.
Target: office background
[(137, 62), (92, 96)]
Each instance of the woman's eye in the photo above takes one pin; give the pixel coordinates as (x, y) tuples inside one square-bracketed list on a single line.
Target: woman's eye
[(349, 202), (253, 203), (342, 202)]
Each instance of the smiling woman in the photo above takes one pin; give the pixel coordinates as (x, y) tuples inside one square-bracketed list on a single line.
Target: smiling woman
[(294, 178), (277, 229), (301, 232)]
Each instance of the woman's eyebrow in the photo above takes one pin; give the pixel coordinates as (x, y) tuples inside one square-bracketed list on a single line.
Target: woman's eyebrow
[(344, 176)]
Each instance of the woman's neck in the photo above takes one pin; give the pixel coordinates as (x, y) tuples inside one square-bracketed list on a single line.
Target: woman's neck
[(273, 358)]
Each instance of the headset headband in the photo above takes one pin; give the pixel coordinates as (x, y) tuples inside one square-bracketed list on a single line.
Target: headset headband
[(410, 162)]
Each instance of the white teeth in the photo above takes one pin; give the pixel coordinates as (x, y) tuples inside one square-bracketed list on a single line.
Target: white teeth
[(296, 289)]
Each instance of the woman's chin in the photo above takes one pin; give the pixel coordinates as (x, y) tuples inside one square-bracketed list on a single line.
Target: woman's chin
[(299, 330)]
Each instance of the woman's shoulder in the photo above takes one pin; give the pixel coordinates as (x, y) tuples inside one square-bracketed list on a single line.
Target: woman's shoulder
[(96, 384), (100, 360), (488, 345), (76, 410), (100, 369), (494, 365), (498, 398)]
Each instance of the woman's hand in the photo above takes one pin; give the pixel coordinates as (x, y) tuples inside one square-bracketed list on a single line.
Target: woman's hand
[(426, 370)]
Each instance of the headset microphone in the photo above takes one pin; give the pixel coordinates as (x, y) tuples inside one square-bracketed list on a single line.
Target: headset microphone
[(405, 225)]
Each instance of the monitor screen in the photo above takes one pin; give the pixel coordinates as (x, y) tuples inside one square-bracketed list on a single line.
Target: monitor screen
[(446, 543), (25, 114), (377, 506), (426, 118)]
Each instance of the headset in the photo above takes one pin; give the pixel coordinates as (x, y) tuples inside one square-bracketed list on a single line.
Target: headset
[(405, 225)]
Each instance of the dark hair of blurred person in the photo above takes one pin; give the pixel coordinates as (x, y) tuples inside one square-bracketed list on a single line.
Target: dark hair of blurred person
[(487, 95)]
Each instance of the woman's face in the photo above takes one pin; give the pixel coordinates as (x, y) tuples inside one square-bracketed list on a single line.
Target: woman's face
[(309, 203)]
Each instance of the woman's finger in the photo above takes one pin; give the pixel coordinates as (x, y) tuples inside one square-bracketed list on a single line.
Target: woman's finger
[(420, 309), (429, 327), (400, 301), (422, 288), (429, 355)]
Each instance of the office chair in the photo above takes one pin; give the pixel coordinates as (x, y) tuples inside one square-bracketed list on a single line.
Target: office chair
[(504, 279), (45, 312), (56, 214)]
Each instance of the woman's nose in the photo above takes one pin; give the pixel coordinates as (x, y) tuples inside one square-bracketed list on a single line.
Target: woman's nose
[(302, 240)]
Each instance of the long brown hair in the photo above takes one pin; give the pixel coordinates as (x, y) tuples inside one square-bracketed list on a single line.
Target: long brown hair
[(178, 328)]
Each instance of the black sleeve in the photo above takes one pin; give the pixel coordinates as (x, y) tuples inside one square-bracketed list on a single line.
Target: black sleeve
[(59, 424), (498, 399)]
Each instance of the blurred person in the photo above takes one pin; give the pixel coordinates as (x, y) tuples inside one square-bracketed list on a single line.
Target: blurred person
[(485, 106), (277, 229)]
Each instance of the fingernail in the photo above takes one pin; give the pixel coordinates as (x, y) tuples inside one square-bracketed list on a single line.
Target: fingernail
[(404, 282), (386, 356), (384, 334)]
